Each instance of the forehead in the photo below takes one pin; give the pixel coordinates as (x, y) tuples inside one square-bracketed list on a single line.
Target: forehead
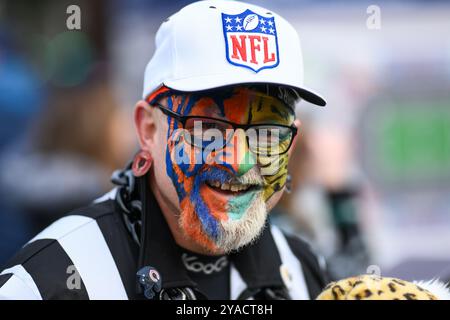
[(236, 104)]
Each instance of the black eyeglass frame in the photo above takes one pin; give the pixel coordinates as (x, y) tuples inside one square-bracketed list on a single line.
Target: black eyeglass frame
[(183, 119)]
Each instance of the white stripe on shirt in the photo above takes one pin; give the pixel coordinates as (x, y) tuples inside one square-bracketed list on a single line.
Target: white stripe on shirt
[(21, 284), (88, 250), (237, 284), (298, 289)]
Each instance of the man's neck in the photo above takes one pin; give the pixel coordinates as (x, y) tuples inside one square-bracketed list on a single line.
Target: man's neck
[(171, 214)]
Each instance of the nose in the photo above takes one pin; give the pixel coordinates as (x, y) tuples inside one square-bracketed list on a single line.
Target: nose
[(243, 159)]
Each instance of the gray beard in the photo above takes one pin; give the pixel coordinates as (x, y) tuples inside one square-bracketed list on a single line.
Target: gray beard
[(235, 234)]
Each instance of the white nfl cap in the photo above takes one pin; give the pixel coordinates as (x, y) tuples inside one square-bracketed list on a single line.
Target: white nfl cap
[(216, 43)]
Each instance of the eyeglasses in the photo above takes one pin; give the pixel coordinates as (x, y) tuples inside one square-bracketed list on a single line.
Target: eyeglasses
[(265, 139)]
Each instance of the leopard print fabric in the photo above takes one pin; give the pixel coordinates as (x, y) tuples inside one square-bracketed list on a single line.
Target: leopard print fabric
[(370, 287)]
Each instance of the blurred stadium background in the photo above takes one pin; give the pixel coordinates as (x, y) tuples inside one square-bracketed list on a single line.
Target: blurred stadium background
[(371, 177)]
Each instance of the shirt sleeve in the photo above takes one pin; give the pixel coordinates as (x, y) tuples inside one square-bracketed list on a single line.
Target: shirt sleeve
[(18, 285)]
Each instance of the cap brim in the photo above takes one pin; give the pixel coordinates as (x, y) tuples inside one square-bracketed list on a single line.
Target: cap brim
[(213, 82), (310, 96)]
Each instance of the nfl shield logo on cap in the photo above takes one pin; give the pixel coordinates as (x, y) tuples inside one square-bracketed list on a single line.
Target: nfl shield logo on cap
[(250, 40), (216, 43)]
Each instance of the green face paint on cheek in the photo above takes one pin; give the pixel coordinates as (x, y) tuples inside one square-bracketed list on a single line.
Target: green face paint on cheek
[(240, 204)]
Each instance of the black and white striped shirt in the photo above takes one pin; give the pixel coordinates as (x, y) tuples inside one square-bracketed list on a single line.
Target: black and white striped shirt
[(89, 254)]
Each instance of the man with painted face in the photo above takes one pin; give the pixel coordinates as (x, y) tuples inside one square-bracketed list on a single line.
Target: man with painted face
[(189, 216)]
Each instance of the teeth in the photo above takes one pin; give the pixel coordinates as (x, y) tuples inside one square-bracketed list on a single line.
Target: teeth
[(215, 184), (228, 187)]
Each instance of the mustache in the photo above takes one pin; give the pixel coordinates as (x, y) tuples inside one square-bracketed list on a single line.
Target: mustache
[(252, 177)]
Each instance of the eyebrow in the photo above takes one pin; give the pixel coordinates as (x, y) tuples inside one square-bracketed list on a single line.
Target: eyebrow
[(219, 99), (221, 111)]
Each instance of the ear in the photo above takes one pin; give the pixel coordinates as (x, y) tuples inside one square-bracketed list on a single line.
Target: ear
[(297, 123), (145, 123)]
